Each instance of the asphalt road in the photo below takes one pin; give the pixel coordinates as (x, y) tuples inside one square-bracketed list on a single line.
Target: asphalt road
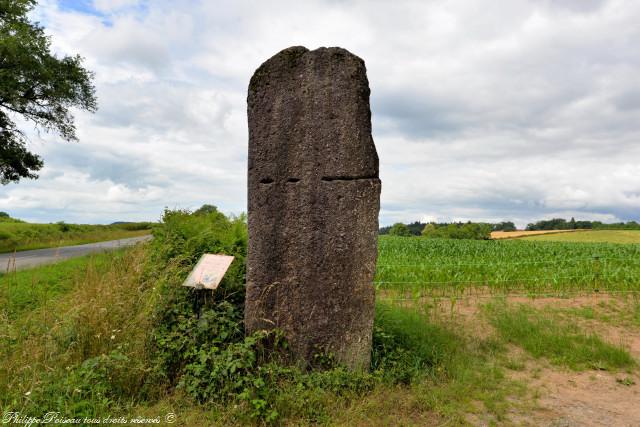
[(27, 259)]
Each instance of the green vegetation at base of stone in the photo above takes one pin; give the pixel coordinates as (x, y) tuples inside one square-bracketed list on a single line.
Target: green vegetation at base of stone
[(127, 339), (592, 236), (17, 235), (424, 267), (199, 347), (562, 342)]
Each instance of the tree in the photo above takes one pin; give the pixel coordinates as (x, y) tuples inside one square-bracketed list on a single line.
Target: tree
[(205, 210), (549, 224), (36, 85), (430, 230), (504, 226), (416, 228), (399, 229)]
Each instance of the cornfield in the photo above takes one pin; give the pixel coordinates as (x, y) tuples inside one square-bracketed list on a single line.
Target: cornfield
[(420, 266)]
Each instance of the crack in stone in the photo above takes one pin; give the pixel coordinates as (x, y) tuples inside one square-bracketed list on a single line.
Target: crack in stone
[(347, 178)]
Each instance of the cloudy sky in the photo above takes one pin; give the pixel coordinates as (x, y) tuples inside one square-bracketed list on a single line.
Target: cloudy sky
[(482, 110)]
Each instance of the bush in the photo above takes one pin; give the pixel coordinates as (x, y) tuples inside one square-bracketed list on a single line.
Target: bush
[(399, 229), (205, 210)]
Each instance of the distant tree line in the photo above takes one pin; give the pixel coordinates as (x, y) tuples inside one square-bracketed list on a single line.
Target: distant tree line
[(400, 229), (503, 226), (417, 228), (458, 230), (454, 230), (482, 230), (5, 217), (572, 224)]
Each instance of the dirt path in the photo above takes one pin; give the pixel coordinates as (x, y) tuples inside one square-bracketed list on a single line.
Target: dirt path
[(557, 396), (590, 398)]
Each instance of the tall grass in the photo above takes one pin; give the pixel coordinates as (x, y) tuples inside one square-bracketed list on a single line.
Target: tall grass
[(26, 290), (73, 351)]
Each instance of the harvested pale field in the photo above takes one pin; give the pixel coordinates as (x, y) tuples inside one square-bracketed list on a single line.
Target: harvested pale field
[(592, 236), (521, 233)]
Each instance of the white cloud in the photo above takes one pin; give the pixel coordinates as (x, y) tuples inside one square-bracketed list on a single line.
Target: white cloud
[(107, 6), (481, 110)]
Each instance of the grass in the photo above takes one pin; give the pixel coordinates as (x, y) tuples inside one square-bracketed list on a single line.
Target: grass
[(562, 343), (21, 236), (592, 236), (116, 334), (84, 350), (58, 354), (455, 370), (620, 312), (28, 289)]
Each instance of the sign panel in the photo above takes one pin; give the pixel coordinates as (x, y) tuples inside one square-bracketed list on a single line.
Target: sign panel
[(209, 271)]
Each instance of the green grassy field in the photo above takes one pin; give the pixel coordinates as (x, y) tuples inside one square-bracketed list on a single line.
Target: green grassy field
[(592, 236), (456, 267), (26, 290), (117, 335), (20, 236)]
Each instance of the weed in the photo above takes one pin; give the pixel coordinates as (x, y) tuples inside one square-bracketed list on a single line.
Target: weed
[(515, 365), (628, 381)]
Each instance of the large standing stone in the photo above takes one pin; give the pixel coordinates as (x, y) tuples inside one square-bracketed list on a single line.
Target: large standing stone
[(314, 197)]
